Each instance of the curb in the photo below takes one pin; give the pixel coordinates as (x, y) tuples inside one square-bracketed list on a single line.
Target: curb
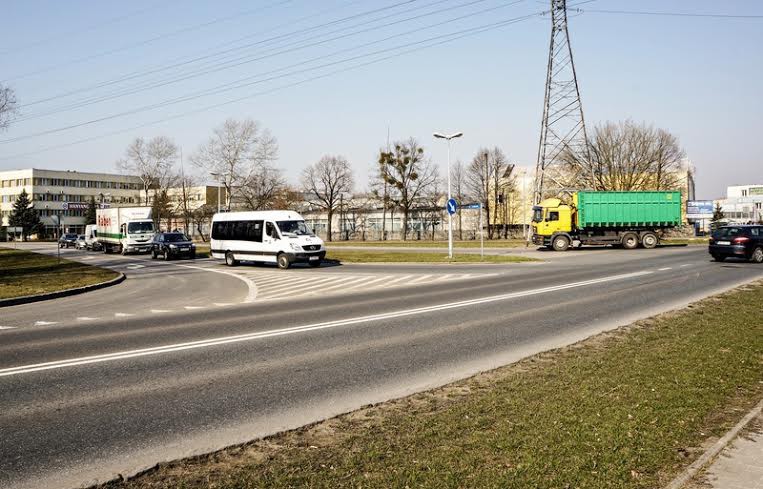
[(15, 301), (714, 450)]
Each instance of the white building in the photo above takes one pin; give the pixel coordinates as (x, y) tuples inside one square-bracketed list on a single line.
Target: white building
[(743, 204), (65, 194)]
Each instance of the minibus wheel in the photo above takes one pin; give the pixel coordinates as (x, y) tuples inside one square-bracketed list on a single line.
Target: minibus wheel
[(283, 261), (230, 260)]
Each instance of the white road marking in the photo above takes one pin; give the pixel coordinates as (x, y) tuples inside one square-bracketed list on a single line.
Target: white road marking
[(194, 307), (135, 267), (45, 323), (686, 265), (86, 318), (109, 357), (123, 314), (158, 311), (7, 327), (223, 304), (252, 286), (666, 268)]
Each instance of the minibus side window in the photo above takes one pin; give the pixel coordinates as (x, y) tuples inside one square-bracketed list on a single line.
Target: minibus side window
[(255, 231)]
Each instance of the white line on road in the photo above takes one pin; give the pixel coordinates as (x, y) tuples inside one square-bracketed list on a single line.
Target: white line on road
[(7, 327), (123, 314), (135, 267), (86, 318), (252, 286), (686, 265), (666, 268), (45, 323), (190, 308), (72, 362), (223, 304), (158, 311)]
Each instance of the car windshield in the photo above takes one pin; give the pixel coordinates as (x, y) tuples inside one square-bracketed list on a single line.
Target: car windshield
[(81, 236), (70, 236), (175, 237), (140, 227), (537, 214), (730, 232), (294, 227)]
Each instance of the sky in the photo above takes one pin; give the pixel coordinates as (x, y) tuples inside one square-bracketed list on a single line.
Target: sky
[(336, 76)]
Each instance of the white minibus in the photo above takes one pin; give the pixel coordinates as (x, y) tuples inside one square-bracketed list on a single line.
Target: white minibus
[(279, 237)]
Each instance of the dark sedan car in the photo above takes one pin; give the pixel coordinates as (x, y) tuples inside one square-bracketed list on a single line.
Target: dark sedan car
[(172, 245), (68, 240), (743, 241)]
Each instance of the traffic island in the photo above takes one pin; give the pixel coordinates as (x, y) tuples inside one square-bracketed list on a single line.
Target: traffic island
[(31, 277), (628, 409), (371, 256)]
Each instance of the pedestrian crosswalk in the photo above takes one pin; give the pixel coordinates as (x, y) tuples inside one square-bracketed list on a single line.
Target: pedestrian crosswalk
[(282, 284)]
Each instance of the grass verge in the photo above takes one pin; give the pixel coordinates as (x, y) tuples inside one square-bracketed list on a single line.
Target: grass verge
[(25, 273), (362, 256), (627, 409), (497, 243)]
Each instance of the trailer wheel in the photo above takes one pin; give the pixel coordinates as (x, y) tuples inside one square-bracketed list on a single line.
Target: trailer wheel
[(649, 240), (561, 243), (630, 241)]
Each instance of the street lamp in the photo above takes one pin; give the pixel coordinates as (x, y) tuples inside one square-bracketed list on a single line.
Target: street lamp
[(217, 176), (450, 216)]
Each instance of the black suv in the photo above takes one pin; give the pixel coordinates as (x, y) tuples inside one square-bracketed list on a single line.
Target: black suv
[(172, 245), (743, 241), (68, 240)]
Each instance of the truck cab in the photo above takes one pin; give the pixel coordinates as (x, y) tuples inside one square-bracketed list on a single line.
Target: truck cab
[(551, 218)]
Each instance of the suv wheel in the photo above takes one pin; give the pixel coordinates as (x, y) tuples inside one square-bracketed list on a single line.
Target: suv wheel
[(153, 254), (166, 256), (757, 255), (719, 257)]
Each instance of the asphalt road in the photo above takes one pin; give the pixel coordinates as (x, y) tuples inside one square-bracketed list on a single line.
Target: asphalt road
[(83, 400)]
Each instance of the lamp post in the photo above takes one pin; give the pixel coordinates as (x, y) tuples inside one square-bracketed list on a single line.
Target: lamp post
[(450, 216), (217, 176)]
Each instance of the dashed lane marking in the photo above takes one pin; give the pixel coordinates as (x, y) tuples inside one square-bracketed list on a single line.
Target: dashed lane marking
[(87, 318), (135, 267), (686, 265), (159, 311), (663, 269), (223, 304), (190, 308), (123, 314), (44, 323), (7, 327)]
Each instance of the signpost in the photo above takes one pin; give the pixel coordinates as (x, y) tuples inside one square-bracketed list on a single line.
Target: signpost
[(478, 205)]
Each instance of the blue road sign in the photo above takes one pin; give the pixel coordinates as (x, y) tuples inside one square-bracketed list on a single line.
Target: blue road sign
[(471, 206), (451, 206)]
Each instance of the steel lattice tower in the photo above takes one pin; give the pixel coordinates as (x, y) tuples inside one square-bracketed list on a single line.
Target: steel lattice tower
[(563, 126)]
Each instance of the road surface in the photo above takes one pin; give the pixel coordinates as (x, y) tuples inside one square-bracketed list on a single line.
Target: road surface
[(178, 361)]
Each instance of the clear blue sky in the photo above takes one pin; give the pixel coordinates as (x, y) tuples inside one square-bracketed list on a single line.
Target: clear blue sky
[(700, 78)]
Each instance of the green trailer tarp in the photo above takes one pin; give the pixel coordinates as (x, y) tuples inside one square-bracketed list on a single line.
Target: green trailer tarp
[(634, 209)]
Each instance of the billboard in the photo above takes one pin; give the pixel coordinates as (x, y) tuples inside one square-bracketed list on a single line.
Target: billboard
[(756, 190), (699, 209)]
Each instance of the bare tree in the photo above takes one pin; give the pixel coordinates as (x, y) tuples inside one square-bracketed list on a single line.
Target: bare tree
[(458, 182), (184, 206), (153, 162), (326, 182), (262, 187), (8, 106), (409, 173), (484, 179), (239, 152), (629, 156)]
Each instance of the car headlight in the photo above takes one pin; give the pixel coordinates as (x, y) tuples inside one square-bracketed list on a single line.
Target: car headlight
[(296, 247), (173, 246)]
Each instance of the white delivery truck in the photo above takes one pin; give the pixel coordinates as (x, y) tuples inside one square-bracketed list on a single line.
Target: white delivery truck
[(125, 229), (91, 237), (279, 237)]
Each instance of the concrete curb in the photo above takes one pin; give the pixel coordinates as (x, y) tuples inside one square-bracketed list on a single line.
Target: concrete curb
[(15, 301), (714, 450)]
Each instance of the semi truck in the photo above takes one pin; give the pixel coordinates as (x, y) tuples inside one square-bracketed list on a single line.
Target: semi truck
[(125, 229), (626, 219)]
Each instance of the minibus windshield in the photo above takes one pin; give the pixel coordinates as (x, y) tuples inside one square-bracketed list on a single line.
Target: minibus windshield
[(298, 228)]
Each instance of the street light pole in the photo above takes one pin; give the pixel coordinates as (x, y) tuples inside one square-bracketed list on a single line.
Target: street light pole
[(450, 216), (217, 177)]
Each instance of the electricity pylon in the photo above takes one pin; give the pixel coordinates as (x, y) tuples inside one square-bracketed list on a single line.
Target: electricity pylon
[(563, 155)]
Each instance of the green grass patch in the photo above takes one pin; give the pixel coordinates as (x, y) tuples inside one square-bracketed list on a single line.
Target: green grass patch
[(494, 243), (685, 241), (627, 409), (25, 273), (372, 256)]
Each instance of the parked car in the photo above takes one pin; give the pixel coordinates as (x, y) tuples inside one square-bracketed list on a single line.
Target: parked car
[(67, 240), (91, 237), (741, 241), (81, 244), (172, 245)]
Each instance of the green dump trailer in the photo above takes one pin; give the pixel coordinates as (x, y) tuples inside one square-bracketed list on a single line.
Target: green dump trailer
[(627, 219)]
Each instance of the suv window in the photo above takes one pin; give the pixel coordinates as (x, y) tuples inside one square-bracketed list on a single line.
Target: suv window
[(757, 232), (732, 232)]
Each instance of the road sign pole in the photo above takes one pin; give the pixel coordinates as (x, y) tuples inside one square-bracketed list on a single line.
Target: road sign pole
[(450, 216), (482, 236)]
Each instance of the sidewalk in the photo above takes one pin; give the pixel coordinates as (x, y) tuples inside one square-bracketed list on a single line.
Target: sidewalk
[(739, 465)]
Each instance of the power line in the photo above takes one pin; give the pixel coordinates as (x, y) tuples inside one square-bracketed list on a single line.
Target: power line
[(83, 29), (424, 44), (229, 86), (146, 42), (165, 67), (246, 60), (672, 14)]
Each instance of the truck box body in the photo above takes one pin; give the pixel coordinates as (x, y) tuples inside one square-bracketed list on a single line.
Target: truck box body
[(656, 209)]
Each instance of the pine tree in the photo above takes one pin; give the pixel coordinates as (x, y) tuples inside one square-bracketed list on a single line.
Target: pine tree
[(718, 216), (24, 216), (90, 214)]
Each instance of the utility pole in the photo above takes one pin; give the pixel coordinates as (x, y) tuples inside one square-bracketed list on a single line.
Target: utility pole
[(563, 155)]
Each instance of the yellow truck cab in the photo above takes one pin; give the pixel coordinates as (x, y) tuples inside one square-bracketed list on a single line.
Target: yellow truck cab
[(628, 219)]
